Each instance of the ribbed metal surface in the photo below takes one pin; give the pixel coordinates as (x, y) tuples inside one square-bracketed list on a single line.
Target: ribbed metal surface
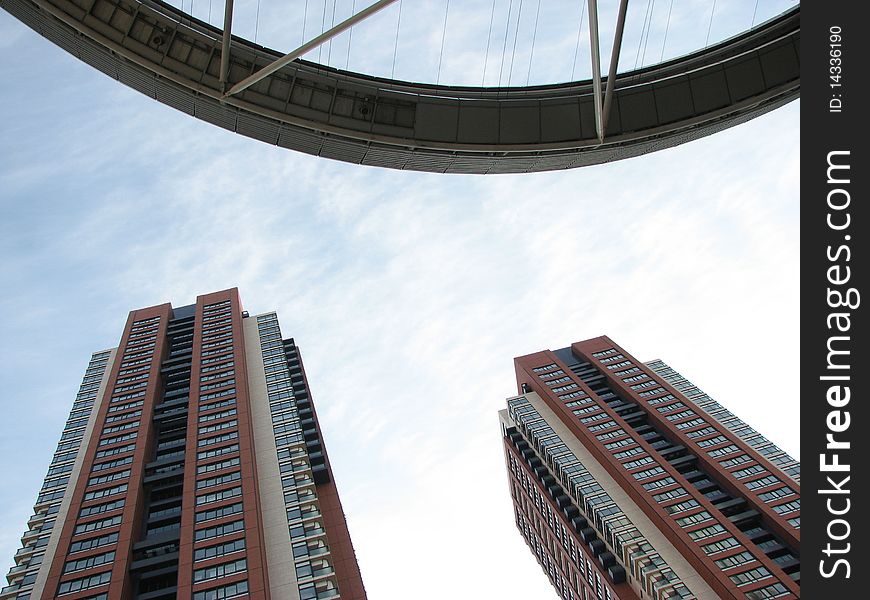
[(361, 119)]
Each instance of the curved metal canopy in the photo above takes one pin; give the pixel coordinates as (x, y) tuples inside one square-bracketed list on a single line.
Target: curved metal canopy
[(176, 59)]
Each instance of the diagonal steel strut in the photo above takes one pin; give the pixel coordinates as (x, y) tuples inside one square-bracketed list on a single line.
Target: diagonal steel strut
[(304, 48), (595, 52), (614, 63), (602, 106), (225, 41)]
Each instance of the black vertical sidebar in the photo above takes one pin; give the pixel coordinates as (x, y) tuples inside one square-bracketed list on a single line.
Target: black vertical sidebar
[(835, 222)]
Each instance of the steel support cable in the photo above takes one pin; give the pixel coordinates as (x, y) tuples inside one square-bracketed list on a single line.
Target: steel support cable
[(488, 40), (507, 28), (349, 37), (579, 36), (754, 14), (710, 26), (514, 50), (256, 21), (642, 31), (304, 20), (667, 27), (443, 37), (322, 29), (534, 37), (648, 29), (332, 24), (396, 45), (209, 12)]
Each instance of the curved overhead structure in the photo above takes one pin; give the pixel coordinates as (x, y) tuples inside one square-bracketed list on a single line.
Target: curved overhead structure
[(304, 106)]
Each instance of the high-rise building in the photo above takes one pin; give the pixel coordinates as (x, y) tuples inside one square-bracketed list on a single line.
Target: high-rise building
[(628, 482), (192, 466)]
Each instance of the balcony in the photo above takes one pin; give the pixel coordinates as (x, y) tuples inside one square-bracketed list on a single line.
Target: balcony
[(180, 351), (172, 413), (317, 570), (166, 475), (328, 570), (321, 474), (163, 513), (16, 570), (23, 553), (311, 532), (318, 550), (174, 443), (309, 512), (176, 393), (167, 456), (30, 535), (36, 519), (303, 481)]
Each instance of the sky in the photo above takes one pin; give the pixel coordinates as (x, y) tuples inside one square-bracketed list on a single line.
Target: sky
[(409, 294), (531, 41)]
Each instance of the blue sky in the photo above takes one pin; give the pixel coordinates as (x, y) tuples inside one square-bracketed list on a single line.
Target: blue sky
[(409, 294), (518, 39)]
